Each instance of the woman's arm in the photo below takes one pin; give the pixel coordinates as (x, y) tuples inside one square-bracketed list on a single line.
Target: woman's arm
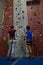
[(16, 28), (8, 36)]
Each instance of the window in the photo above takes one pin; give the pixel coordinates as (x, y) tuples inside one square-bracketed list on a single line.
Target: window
[(33, 2)]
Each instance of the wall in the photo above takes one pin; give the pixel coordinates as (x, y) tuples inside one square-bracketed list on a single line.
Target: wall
[(35, 20), (8, 21)]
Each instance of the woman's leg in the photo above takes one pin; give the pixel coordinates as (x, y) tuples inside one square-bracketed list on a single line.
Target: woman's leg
[(9, 51), (13, 49)]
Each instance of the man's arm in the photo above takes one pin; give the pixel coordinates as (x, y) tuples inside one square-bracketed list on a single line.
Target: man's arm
[(24, 33)]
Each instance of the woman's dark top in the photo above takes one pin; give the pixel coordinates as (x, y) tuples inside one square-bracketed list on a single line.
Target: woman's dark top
[(12, 33)]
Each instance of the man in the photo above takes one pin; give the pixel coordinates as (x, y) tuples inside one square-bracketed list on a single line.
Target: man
[(28, 36)]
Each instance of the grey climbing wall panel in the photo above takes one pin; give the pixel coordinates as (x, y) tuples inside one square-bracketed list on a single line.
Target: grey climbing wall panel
[(1, 16), (20, 20)]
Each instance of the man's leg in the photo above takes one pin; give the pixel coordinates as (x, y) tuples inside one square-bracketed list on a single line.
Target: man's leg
[(30, 50)]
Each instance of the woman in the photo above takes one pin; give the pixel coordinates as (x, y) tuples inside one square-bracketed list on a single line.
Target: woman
[(12, 41)]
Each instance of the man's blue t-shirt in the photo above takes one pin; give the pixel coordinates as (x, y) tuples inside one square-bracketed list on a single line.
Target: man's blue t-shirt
[(29, 35)]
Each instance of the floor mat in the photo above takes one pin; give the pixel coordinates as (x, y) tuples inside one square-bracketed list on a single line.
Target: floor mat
[(5, 61), (34, 61), (23, 61)]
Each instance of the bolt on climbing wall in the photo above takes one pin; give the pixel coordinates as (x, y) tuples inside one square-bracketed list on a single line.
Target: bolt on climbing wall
[(20, 20)]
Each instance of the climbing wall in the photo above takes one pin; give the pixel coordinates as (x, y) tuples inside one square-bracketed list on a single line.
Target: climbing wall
[(1, 26), (20, 20), (6, 20), (35, 18), (1, 16)]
